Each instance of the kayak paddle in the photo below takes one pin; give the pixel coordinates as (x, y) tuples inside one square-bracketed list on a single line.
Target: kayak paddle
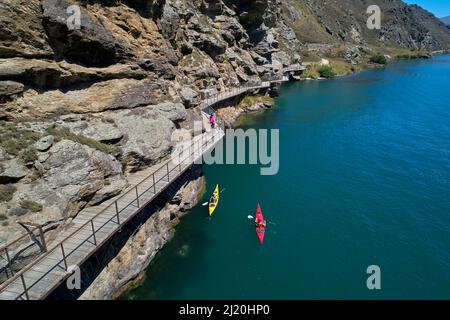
[(251, 218), (204, 204)]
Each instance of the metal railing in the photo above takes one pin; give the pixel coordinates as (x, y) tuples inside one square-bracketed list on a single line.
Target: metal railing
[(6, 249), (215, 98), (25, 247), (294, 67), (264, 83), (196, 149)]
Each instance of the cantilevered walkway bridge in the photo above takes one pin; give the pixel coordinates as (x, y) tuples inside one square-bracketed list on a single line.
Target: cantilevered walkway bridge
[(95, 225)]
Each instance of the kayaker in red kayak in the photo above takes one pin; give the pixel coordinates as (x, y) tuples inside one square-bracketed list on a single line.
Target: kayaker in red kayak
[(259, 223)]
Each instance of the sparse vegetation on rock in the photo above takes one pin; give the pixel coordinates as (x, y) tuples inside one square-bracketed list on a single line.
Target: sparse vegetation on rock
[(33, 206), (65, 133), (7, 192), (15, 140), (29, 155), (250, 101)]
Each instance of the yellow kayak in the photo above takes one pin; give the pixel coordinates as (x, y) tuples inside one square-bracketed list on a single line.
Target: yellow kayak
[(214, 200)]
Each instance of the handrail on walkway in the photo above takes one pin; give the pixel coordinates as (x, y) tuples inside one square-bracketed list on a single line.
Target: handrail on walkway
[(117, 207)]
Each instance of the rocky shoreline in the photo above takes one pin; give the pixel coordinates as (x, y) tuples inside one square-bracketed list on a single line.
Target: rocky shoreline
[(127, 269)]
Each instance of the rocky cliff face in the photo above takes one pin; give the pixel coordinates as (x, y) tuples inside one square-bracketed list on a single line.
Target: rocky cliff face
[(81, 108)]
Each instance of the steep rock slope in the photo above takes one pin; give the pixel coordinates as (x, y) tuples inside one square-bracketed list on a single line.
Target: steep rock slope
[(337, 21), (446, 20)]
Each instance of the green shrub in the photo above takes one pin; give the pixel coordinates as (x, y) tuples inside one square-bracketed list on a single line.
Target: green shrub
[(3, 217), (5, 223), (326, 72), (309, 73), (65, 133), (31, 205), (14, 140), (29, 155), (6, 192), (378, 59), (250, 101)]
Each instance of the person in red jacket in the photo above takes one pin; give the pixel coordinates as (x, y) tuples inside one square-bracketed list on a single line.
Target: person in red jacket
[(212, 121), (260, 224)]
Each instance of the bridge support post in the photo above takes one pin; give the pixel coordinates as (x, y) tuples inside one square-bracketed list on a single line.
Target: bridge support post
[(41, 234), (168, 175), (8, 259), (64, 256), (137, 197), (117, 212), (93, 231), (24, 287)]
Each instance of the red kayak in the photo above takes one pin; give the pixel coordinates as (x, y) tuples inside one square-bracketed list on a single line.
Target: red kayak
[(261, 228)]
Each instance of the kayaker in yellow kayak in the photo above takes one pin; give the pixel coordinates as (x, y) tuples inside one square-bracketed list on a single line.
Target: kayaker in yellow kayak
[(214, 200)]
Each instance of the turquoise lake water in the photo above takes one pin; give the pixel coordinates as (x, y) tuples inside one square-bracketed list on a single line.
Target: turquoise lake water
[(364, 180)]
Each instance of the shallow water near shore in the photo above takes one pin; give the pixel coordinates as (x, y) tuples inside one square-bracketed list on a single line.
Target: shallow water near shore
[(364, 180)]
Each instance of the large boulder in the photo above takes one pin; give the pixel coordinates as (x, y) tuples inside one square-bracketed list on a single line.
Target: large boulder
[(209, 43), (44, 143), (147, 132), (108, 34), (189, 96), (103, 130), (231, 25), (12, 171), (92, 43), (21, 30), (251, 12), (33, 72), (9, 90), (199, 70), (172, 111), (201, 34), (51, 74), (102, 96), (75, 176)]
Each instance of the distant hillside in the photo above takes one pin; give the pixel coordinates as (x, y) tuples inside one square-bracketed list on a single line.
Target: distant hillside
[(446, 20), (324, 21)]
